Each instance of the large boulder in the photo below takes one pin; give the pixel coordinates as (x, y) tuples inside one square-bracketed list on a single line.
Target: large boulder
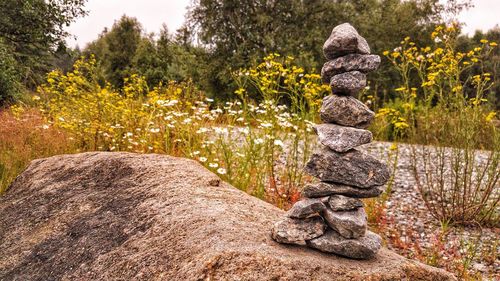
[(123, 216)]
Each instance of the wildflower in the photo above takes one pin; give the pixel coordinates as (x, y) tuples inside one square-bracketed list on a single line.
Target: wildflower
[(154, 130), (221, 171), (45, 127), (279, 143), (203, 159), (213, 165), (258, 141)]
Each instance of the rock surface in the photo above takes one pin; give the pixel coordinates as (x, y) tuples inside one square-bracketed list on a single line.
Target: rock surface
[(349, 224), (332, 242), (348, 83), (344, 203), (307, 207), (123, 216), (344, 39), (297, 231), (352, 62), (340, 138), (345, 111), (321, 189), (353, 168)]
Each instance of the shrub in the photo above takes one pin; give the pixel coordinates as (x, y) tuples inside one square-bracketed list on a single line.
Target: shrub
[(458, 183), (10, 86)]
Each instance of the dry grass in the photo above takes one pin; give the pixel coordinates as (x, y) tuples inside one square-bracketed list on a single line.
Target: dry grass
[(24, 139)]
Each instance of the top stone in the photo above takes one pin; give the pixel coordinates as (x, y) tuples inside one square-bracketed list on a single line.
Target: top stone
[(343, 40)]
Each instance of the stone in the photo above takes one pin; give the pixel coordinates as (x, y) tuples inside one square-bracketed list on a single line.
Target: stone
[(348, 83), (349, 224), (341, 138), (306, 207), (353, 168), (352, 62), (344, 39), (344, 203), (297, 231), (365, 247), (345, 111), (321, 189), (108, 216)]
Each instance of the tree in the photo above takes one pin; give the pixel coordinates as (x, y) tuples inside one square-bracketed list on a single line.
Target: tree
[(239, 32), (32, 29)]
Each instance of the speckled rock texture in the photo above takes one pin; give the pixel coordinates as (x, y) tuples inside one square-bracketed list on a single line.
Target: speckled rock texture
[(123, 216), (332, 242), (353, 168), (307, 207), (352, 62), (344, 39), (345, 111), (348, 83), (298, 231), (344, 203), (349, 224), (341, 138)]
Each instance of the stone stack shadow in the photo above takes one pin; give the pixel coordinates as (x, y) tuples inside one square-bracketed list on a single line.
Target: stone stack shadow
[(331, 217)]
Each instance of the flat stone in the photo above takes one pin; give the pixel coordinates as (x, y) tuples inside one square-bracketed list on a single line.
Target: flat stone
[(306, 207), (349, 224), (297, 231), (361, 248), (348, 83), (353, 168), (321, 189), (344, 39), (345, 111), (344, 203), (347, 63), (341, 138)]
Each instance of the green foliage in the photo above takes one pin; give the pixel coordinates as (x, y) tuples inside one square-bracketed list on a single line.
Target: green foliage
[(9, 76), (240, 33), (125, 50), (33, 29)]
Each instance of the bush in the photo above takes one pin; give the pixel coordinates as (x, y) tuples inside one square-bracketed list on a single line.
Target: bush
[(458, 183), (10, 86)]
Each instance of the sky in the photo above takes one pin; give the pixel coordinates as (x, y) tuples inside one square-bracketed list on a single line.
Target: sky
[(153, 13)]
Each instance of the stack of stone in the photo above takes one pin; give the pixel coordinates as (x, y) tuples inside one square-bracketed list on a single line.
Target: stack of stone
[(331, 217)]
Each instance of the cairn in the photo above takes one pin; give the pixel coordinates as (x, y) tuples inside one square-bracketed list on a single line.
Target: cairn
[(331, 217)]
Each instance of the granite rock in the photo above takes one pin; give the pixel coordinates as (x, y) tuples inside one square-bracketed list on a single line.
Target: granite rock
[(353, 168), (321, 189), (344, 39), (348, 83), (349, 224), (297, 231), (344, 203), (365, 247), (347, 63), (306, 207), (341, 138), (345, 111)]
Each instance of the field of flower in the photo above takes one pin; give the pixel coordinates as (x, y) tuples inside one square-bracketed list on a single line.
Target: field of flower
[(260, 140)]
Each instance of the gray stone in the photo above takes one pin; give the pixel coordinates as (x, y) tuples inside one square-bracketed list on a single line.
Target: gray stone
[(297, 231), (321, 189), (344, 39), (340, 138), (349, 224), (344, 203), (353, 168), (361, 248), (345, 111), (348, 83), (352, 62), (306, 207)]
